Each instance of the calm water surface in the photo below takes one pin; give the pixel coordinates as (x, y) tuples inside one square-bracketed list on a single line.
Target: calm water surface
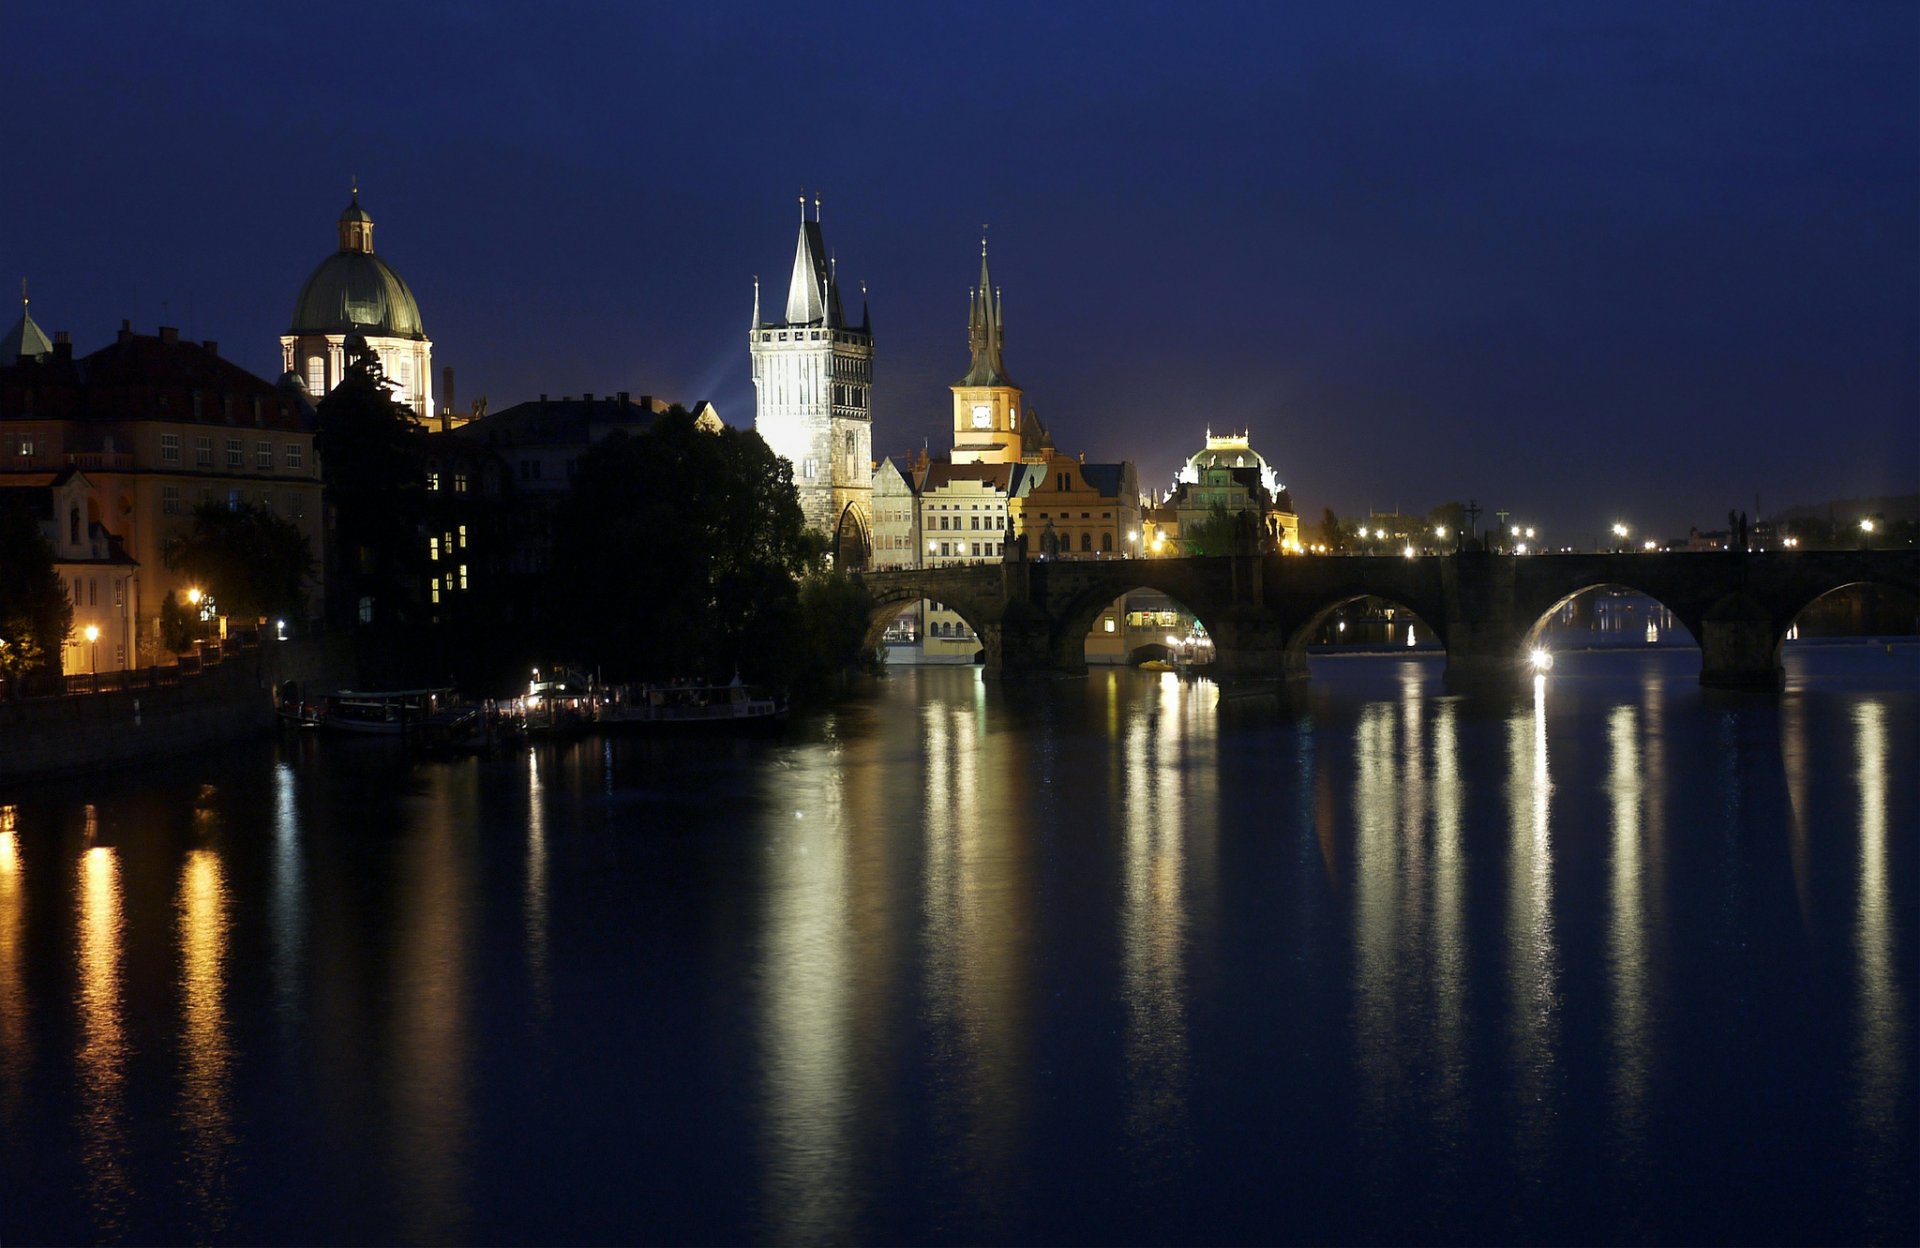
[(1103, 960)]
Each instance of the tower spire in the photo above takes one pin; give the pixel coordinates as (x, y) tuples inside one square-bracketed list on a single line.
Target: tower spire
[(983, 329), (756, 301)]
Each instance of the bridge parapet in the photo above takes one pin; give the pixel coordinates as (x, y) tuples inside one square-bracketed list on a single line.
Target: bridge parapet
[(1487, 610)]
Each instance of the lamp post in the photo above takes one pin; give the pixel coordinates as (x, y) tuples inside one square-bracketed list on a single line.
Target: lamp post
[(93, 649), (1866, 533), (1619, 536)]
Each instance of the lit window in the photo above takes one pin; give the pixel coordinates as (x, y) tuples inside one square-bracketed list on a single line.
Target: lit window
[(463, 537), (433, 480), (26, 444), (463, 576), (316, 376), (433, 548)]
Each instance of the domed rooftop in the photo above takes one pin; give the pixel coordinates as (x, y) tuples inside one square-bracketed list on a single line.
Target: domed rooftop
[(1231, 450), (354, 291)]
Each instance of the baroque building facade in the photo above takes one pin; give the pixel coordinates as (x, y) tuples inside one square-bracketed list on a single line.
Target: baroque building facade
[(813, 397), (354, 293), (155, 426)]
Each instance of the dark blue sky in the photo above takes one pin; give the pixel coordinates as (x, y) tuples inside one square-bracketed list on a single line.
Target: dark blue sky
[(1582, 262)]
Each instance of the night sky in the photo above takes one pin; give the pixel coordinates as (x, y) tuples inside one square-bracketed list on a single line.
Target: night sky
[(1587, 263)]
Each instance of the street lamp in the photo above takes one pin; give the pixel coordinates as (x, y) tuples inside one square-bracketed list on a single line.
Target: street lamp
[(93, 650), (1866, 531)]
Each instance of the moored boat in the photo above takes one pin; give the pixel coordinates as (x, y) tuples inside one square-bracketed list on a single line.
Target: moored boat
[(389, 713), (734, 706)]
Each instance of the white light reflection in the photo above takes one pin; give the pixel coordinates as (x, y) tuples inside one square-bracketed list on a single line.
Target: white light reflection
[(1880, 1101), (808, 984), (1627, 931), (534, 917), (289, 896), (1153, 913), (1532, 955), (978, 846)]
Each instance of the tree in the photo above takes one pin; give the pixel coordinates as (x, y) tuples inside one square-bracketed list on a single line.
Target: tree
[(35, 614), (1451, 516), (253, 562), (1213, 534), (176, 625), (677, 553), (376, 483), (1333, 534), (836, 615)]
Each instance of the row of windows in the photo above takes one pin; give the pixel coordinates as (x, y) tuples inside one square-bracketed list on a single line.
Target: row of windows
[(459, 478), (1067, 515), (86, 591), (1002, 522), (980, 550), (172, 504), (941, 628), (292, 454)]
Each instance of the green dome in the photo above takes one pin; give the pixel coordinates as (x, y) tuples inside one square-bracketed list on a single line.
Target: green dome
[(355, 292), (355, 212)]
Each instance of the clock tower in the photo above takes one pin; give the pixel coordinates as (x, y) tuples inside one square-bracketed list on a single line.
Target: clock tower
[(986, 403)]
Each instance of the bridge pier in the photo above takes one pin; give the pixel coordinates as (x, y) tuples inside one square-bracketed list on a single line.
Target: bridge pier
[(1250, 645), (1740, 654), (1021, 644)]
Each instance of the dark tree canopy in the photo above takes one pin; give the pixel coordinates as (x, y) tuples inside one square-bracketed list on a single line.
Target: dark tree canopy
[(376, 483), (677, 554), (35, 615), (1212, 534), (253, 562)]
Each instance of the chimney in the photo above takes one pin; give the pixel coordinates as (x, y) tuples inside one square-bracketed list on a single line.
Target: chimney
[(586, 396), (62, 345), (446, 399), (213, 348), (126, 330), (623, 398), (170, 334)]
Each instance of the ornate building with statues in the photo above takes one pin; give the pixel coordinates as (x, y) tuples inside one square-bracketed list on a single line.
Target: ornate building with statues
[(356, 293), (813, 391), (1224, 476)]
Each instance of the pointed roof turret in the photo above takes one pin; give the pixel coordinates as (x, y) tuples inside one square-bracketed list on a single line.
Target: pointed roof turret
[(984, 331), (812, 297), (25, 338), (356, 225)]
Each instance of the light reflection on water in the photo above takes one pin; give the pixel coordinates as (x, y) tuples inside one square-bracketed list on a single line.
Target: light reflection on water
[(1106, 959), (1533, 964), (205, 1052), (102, 1058)]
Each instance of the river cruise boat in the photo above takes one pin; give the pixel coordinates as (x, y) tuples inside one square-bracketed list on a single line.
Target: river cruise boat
[(390, 713), (687, 706)]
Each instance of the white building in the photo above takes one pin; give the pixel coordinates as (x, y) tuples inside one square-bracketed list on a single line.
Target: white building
[(813, 386)]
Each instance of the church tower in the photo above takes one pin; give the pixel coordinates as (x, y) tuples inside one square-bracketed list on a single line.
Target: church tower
[(812, 384), (986, 404)]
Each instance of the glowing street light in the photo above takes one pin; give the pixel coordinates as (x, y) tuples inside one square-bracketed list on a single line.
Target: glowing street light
[(1650, 544), (1541, 658), (1408, 550), (92, 632), (194, 595)]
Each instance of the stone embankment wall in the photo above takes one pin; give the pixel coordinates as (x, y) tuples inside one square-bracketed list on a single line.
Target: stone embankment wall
[(229, 702)]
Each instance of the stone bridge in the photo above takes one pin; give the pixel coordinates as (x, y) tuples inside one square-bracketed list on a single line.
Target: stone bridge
[(1032, 617)]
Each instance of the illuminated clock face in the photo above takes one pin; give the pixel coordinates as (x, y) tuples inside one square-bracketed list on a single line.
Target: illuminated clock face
[(982, 416)]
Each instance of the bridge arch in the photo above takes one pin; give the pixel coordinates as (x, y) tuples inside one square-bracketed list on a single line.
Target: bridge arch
[(1309, 625), (1685, 616), (1905, 599), (890, 599)]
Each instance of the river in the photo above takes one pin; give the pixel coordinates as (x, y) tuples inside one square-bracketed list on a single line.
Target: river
[(1613, 959)]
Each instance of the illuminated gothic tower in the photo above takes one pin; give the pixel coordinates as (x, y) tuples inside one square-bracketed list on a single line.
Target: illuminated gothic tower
[(987, 425), (812, 383)]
